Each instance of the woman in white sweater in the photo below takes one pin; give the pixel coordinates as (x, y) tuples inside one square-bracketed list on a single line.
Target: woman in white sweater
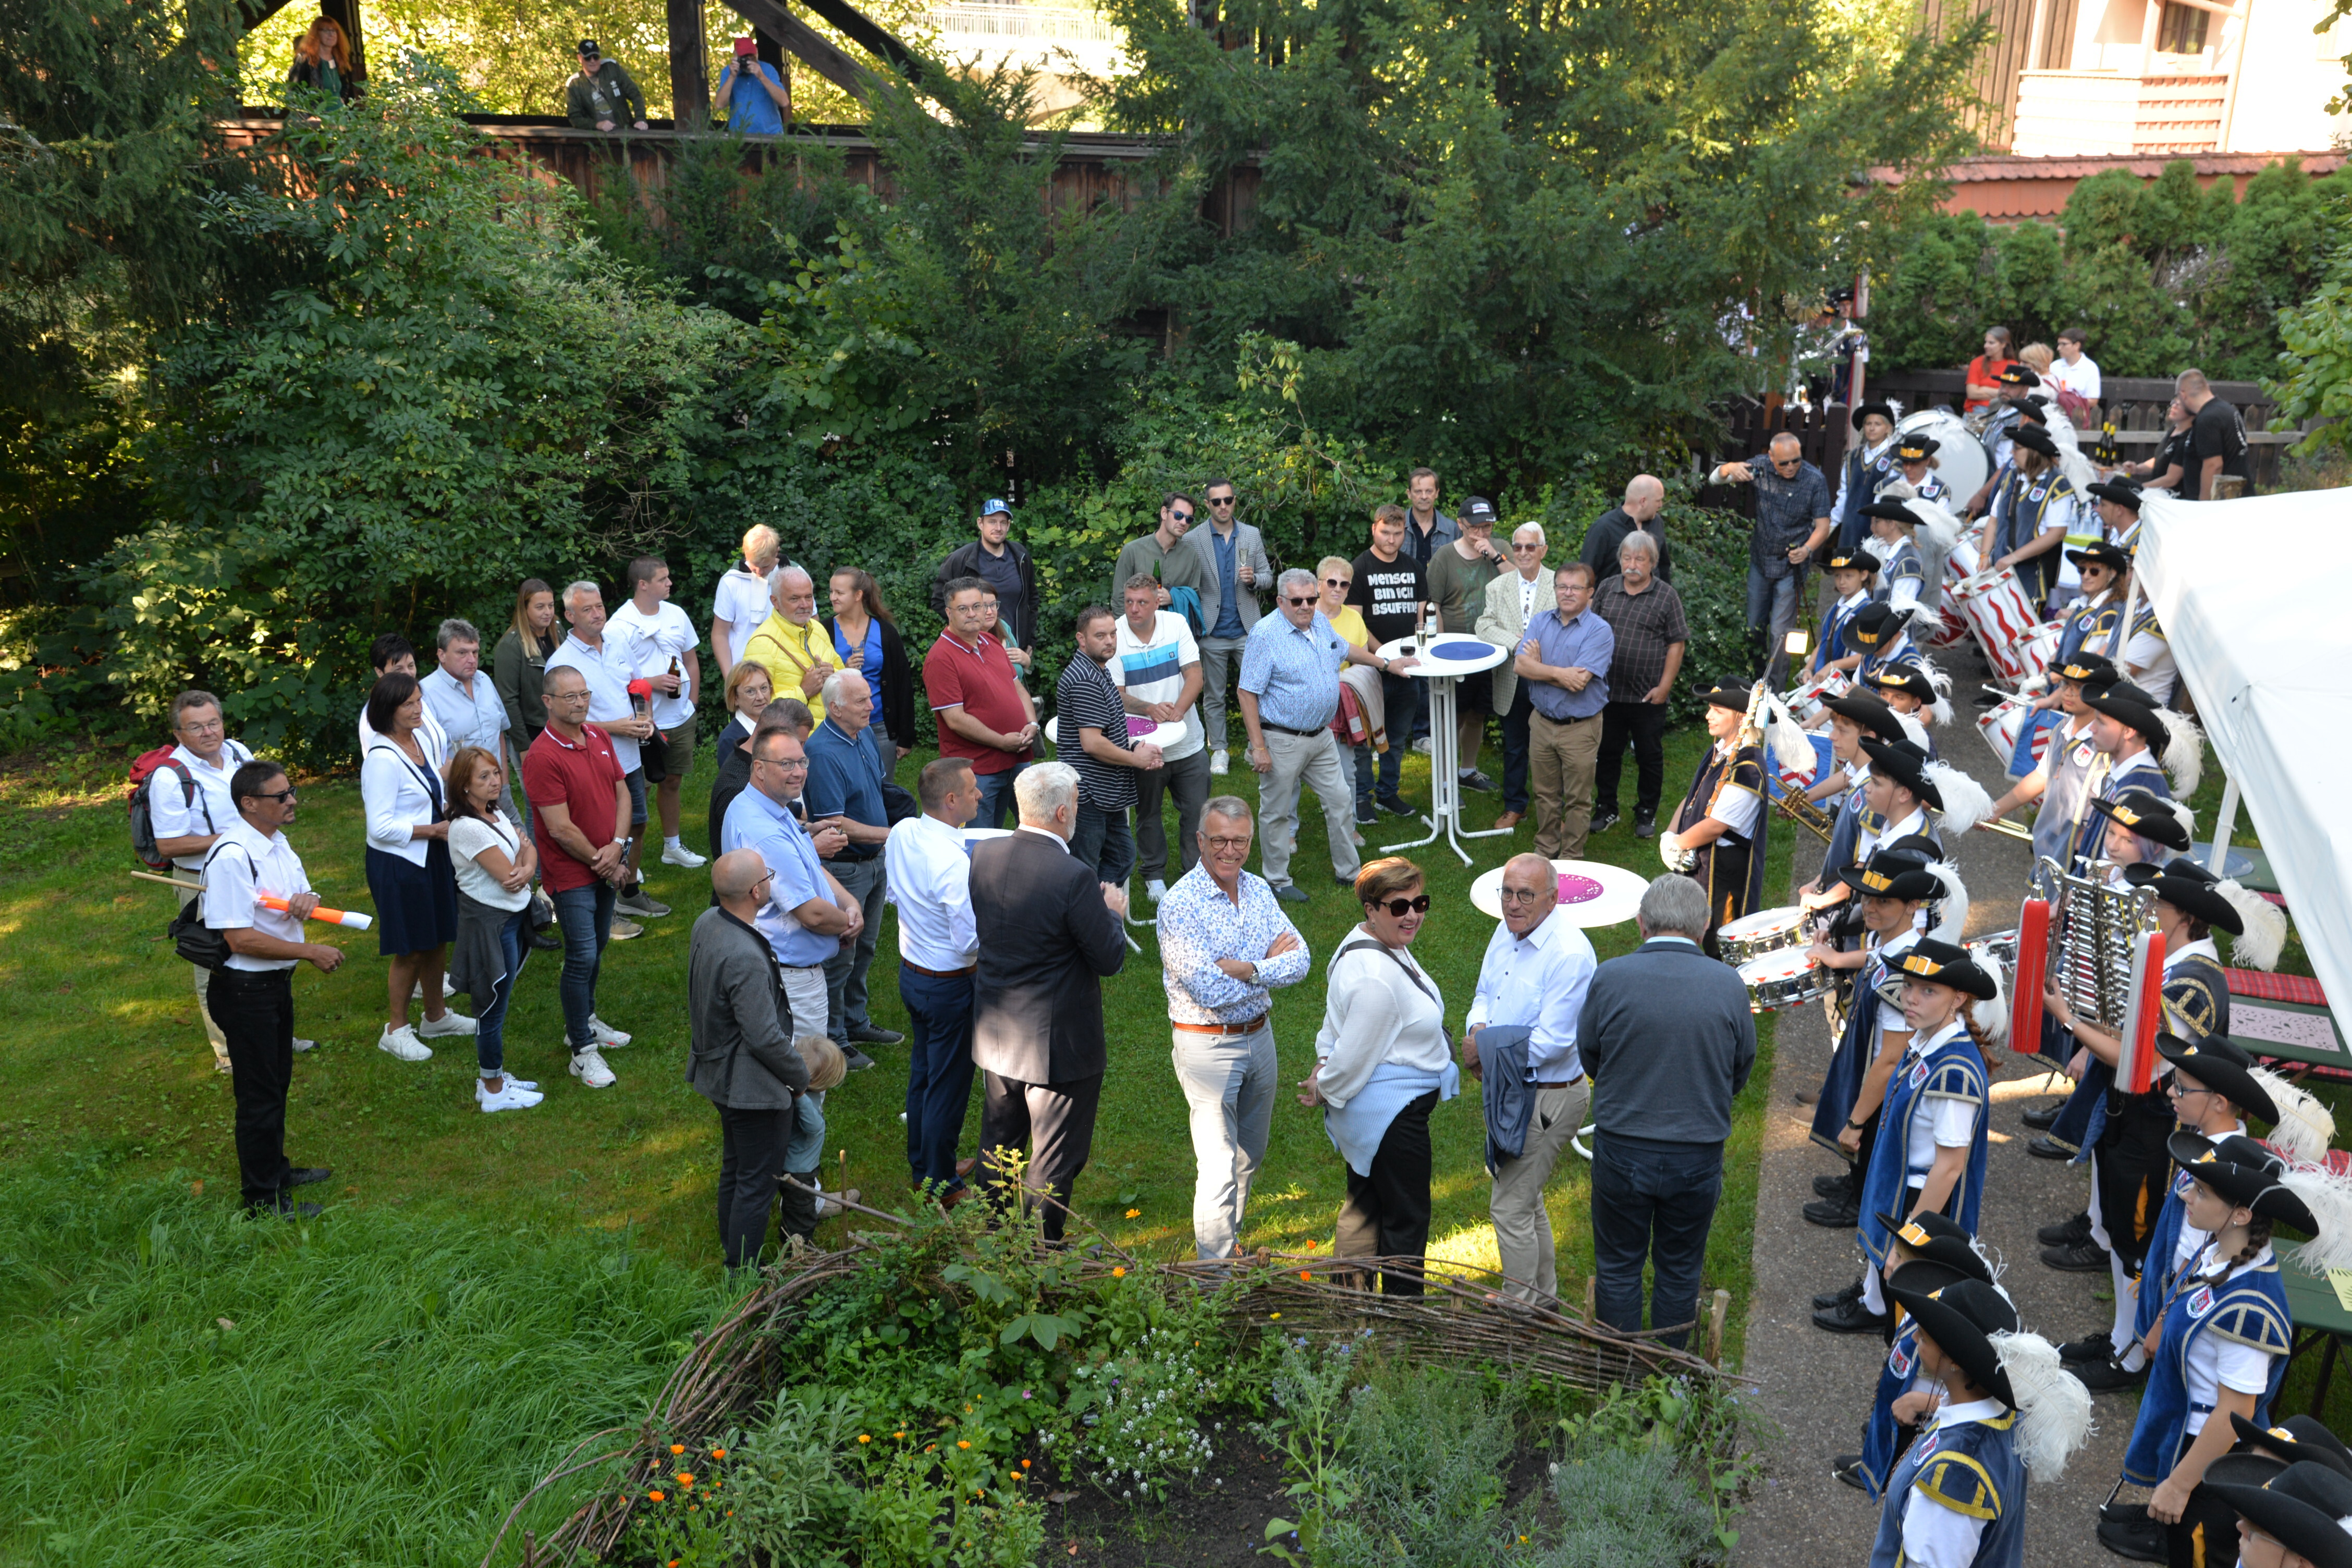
[(1382, 1063), (408, 869)]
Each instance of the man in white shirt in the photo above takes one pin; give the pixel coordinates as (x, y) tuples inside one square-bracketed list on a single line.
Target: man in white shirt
[(188, 807), (1158, 667), (1537, 970), (609, 664), (2075, 371), (929, 872), (253, 992), (393, 654), (741, 600), (669, 657)]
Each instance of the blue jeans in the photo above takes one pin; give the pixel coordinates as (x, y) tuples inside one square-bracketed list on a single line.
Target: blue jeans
[(1772, 604), (996, 797), (1103, 840), (1514, 750), (1365, 814), (1652, 1201), (1401, 703), (490, 1024), (586, 916), (844, 972), (938, 1070)]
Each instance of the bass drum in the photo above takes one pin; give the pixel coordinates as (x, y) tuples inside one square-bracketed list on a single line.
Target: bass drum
[(1960, 461)]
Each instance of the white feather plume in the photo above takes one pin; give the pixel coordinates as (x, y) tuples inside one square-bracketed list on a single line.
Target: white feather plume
[(2054, 1409), (2264, 938), (1790, 749), (1913, 730), (2184, 750), (2077, 469), (1955, 901), (2305, 1127), (1938, 676), (1966, 804), (1898, 489), (1940, 527), (2183, 815), (1991, 1016), (1941, 710), (2329, 1196), (1876, 548)]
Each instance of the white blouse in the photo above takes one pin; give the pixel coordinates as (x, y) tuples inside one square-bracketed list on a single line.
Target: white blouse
[(1374, 1015), (469, 838), (393, 790)]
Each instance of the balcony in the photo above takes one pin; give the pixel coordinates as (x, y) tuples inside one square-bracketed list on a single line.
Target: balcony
[(2107, 113)]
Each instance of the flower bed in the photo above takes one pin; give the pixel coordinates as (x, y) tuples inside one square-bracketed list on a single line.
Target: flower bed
[(945, 1393)]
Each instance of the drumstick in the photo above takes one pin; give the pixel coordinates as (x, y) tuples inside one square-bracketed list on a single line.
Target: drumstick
[(349, 918)]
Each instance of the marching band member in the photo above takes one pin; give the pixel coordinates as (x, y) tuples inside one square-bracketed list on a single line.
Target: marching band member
[(1717, 836), (1851, 718), (1903, 571), (1867, 465), (1917, 691), (2143, 746), (1879, 629), (1851, 579), (2042, 516), (1926, 1254), (2292, 1519), (1915, 463)]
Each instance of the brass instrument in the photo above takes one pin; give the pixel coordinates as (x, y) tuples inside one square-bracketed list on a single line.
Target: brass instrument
[(2005, 828), (2093, 927), (1805, 813)]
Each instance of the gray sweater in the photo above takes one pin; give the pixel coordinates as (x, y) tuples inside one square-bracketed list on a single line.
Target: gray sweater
[(1668, 1039), (744, 1057)]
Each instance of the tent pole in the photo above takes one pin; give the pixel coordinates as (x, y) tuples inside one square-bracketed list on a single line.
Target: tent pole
[(2223, 821)]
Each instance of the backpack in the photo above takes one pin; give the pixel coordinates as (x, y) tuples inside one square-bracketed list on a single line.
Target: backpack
[(142, 827)]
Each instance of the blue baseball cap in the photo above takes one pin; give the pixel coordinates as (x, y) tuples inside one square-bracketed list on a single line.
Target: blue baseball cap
[(996, 503)]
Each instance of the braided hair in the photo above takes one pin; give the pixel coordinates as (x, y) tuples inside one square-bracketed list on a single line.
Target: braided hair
[(2258, 1236)]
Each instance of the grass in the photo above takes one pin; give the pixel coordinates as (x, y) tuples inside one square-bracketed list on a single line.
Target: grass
[(351, 1401)]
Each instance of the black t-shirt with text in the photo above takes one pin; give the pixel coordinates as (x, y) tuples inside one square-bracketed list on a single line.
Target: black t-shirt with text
[(1386, 592), (2218, 433)]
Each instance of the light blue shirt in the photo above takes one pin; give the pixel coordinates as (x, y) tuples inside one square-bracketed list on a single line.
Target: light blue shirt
[(475, 720), (1538, 981), (1294, 671), (1199, 925), (755, 822)]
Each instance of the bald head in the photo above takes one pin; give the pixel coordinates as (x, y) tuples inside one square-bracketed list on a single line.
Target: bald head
[(1786, 444), (733, 876), (1644, 494), (1530, 892)]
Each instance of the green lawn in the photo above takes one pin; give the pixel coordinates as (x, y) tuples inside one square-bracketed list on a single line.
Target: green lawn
[(106, 1055)]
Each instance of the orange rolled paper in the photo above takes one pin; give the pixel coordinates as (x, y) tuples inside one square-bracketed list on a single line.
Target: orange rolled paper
[(348, 918)]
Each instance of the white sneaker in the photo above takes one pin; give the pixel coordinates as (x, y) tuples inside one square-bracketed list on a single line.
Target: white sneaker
[(301, 1044), (1155, 889), (607, 1036), (680, 855), (402, 1043), (626, 931), (513, 1097), (589, 1067), (449, 1023), (416, 992), (1422, 746), (1217, 763)]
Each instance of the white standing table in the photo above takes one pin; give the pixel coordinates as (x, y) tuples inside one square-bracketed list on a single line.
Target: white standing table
[(1445, 660)]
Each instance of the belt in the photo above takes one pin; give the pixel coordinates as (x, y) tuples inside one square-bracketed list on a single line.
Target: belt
[(1302, 734), (1227, 1030), (1563, 1083), (1575, 719), (940, 974)]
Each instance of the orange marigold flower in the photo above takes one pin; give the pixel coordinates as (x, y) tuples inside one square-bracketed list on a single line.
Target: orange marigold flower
[(963, 1443), (717, 1453), (656, 1497), (1132, 1213), (1305, 1274), (1119, 1273), (686, 1480), (866, 1437), (1024, 1464), (678, 1447)]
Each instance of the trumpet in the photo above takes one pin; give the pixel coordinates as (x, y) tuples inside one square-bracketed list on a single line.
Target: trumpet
[(1804, 813), (2006, 829)]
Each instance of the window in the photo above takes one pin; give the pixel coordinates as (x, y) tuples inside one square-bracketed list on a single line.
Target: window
[(2181, 29)]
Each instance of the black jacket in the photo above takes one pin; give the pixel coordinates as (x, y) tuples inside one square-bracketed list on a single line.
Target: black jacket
[(311, 74), (960, 564), (1608, 532), (1668, 1039), (743, 1056), (897, 685), (1046, 941)]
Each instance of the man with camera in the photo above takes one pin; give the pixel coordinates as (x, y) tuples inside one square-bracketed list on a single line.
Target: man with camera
[(757, 99)]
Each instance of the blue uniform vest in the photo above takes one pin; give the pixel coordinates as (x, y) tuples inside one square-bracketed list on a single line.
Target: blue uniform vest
[(2155, 1283), (1863, 477), (1835, 622), (2250, 1308), (1855, 1046), (1882, 1432), (1950, 1066), (1972, 1467), (1903, 564)]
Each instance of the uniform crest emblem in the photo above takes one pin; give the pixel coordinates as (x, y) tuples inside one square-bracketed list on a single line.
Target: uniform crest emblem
[(1926, 1445), (1919, 1075), (1898, 1361), (2202, 1303)]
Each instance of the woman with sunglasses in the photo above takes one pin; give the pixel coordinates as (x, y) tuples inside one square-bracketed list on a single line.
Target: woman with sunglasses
[(1382, 1063), (1359, 730)]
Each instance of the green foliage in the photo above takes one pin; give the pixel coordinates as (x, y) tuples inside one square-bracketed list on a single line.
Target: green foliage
[(1628, 1505), (202, 1389), (2313, 380), (2161, 274)]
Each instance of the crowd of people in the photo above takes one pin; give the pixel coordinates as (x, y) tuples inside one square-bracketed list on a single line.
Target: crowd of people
[(1005, 936)]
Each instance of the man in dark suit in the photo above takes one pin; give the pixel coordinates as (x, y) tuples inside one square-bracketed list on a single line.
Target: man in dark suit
[(1049, 933), (1668, 1039)]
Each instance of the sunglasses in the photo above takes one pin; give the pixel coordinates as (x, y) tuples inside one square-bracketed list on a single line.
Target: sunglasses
[(1786, 462), (286, 794), (1220, 500), (1400, 908), (1288, 599), (1525, 544), (1337, 582), (1175, 516)]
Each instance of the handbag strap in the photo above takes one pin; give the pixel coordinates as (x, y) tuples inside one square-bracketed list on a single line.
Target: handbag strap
[(1410, 973)]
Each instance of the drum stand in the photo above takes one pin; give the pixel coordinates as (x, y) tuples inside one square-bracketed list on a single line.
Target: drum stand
[(1445, 771)]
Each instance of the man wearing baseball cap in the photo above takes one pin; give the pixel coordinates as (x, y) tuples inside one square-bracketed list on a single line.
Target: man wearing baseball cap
[(603, 93)]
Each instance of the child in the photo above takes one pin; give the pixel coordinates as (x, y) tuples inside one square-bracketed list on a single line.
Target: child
[(1879, 631), (804, 1154), (2292, 1519), (1928, 1254), (1850, 578), (1903, 571), (2221, 1343), (2007, 1412), (1917, 691)]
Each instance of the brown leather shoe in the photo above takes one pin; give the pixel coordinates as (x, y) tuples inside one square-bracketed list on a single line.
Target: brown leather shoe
[(953, 1197), (1509, 820), (966, 1167)]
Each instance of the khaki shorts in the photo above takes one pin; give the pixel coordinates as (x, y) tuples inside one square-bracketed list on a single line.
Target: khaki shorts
[(677, 750)]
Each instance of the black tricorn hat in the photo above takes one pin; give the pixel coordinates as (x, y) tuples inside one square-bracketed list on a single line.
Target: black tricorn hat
[(1869, 712), (1864, 411), (1893, 512), (2035, 439), (2222, 1064), (1878, 621), (1939, 1242), (2302, 1508), (2254, 1184), (1946, 965), (2123, 492), (1961, 1319), (1916, 448), (2146, 816)]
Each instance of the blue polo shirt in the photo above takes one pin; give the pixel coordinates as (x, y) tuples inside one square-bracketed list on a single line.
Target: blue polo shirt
[(1585, 643), (844, 779), (755, 822)]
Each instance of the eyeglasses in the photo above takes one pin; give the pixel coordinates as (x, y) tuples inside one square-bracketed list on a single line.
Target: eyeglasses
[(1525, 544), (1787, 464), (1241, 843), (1522, 896), (1400, 908), (1337, 582), (200, 727), (787, 763), (1290, 599), (1175, 516), (2172, 1087)]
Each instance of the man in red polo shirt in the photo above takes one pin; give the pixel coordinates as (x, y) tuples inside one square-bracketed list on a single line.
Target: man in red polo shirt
[(985, 717), (579, 803)]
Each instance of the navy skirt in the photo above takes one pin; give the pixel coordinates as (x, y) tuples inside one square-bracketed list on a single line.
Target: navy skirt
[(415, 906)]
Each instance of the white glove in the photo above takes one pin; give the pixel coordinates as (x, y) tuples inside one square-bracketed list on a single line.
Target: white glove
[(1672, 856)]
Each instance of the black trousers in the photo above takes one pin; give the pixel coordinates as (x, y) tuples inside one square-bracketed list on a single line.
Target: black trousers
[(2132, 1167), (1056, 1120), (1643, 726), (1387, 1211), (255, 1010), (751, 1143)]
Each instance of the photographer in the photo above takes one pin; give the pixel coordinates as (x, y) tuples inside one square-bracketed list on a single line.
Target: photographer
[(594, 98), (757, 100)]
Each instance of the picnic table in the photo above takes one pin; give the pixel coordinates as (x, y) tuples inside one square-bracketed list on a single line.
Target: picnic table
[(2319, 1317)]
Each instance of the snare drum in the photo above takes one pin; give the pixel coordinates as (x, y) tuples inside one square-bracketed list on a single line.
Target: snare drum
[(1805, 700), (2000, 611), (1766, 931), (1783, 979), (2004, 721), (1997, 951), (2038, 647)]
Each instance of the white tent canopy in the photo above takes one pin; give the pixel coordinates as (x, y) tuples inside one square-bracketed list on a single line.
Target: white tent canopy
[(2250, 595)]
